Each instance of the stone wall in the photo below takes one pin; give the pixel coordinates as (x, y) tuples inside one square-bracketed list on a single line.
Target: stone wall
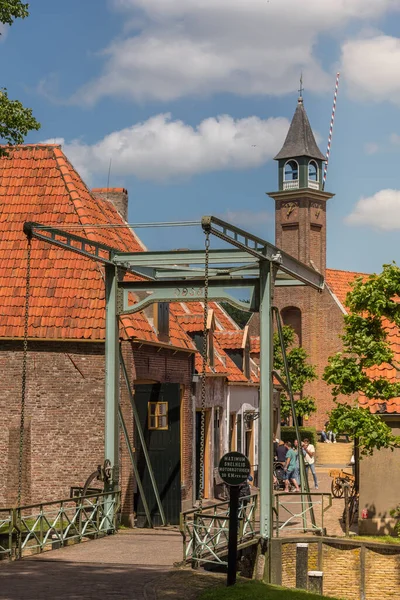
[(352, 569)]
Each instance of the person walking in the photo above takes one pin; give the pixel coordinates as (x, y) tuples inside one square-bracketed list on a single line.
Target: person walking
[(290, 468), (309, 459)]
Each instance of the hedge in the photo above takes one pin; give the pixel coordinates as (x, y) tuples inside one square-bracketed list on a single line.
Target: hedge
[(288, 434)]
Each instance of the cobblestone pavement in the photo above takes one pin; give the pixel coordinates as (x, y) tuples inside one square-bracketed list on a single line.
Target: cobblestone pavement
[(131, 565)]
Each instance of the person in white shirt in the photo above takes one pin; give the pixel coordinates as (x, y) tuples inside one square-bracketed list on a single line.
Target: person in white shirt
[(309, 459)]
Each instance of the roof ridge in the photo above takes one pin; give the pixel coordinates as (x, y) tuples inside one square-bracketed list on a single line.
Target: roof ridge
[(62, 165), (345, 271)]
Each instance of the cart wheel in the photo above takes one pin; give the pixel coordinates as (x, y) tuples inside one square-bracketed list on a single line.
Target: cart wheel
[(336, 489)]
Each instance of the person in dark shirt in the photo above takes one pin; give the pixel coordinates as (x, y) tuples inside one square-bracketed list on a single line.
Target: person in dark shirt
[(281, 452)]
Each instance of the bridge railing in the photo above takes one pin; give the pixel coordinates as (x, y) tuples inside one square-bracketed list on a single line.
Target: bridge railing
[(293, 511), (205, 534), (37, 527)]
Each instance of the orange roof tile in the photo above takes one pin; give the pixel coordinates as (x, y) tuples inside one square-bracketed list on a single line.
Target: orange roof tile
[(230, 340), (38, 183), (191, 323), (255, 344), (340, 284)]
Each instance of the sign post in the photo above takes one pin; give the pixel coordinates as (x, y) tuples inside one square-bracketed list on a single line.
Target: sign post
[(234, 469)]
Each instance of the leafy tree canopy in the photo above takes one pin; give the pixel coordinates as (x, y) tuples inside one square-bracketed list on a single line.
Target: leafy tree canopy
[(15, 120), (374, 305), (239, 316), (301, 372)]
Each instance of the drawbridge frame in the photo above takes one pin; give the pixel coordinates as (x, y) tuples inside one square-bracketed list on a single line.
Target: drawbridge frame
[(253, 264)]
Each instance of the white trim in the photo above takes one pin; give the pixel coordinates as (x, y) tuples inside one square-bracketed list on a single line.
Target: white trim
[(336, 299)]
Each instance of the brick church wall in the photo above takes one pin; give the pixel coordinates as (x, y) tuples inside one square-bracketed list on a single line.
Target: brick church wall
[(64, 422), (322, 323)]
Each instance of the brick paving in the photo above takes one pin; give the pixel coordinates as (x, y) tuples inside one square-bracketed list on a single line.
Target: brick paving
[(131, 565)]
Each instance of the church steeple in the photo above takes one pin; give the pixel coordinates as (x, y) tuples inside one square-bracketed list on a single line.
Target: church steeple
[(300, 160), (300, 202)]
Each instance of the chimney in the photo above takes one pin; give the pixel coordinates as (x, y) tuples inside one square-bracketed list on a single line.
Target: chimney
[(118, 196)]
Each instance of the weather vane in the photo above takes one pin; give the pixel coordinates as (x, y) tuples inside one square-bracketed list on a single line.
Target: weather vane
[(301, 90)]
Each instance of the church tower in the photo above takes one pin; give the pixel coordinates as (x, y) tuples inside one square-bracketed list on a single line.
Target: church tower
[(300, 203)]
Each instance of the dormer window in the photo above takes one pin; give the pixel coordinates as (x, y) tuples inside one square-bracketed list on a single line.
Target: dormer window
[(291, 175)]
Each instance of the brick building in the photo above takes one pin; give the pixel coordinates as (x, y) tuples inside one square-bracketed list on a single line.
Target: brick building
[(64, 413), (232, 389), (317, 318)]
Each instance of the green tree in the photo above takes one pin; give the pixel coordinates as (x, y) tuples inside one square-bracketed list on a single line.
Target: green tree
[(15, 120), (301, 372), (373, 305), (239, 316)]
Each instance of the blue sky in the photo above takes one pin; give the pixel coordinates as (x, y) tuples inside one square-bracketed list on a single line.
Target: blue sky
[(177, 92)]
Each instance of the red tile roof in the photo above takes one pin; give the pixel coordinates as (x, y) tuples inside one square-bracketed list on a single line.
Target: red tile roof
[(255, 344), (230, 340), (191, 323), (190, 316), (38, 183), (340, 284), (222, 320)]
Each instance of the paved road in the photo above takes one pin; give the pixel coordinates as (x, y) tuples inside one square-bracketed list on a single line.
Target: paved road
[(129, 565)]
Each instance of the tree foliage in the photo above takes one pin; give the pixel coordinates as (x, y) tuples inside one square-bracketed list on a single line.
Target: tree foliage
[(239, 316), (11, 10), (301, 372), (15, 120), (374, 306)]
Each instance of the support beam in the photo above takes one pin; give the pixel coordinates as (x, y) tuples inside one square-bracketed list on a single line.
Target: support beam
[(189, 291), (176, 257), (135, 469), (266, 406), (111, 433), (142, 440), (263, 250)]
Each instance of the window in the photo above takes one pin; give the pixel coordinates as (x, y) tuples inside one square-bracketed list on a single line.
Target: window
[(157, 415), (312, 171), (291, 170)]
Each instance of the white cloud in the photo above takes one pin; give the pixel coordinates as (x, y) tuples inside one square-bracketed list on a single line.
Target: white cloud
[(175, 48), (395, 139), (381, 211), (162, 149), (371, 68), (371, 148)]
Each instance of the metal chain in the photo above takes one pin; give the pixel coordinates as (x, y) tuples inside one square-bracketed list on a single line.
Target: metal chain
[(204, 370), (24, 372)]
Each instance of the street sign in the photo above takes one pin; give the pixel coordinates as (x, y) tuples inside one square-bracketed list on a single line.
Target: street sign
[(234, 468)]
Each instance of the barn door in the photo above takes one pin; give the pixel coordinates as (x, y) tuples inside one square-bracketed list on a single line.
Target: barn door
[(158, 406)]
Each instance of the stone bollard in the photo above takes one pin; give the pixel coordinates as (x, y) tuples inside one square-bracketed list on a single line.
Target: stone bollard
[(315, 581), (301, 566)]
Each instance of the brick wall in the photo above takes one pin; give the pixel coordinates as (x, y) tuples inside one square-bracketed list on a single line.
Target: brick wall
[(322, 322), (352, 570), (64, 423)]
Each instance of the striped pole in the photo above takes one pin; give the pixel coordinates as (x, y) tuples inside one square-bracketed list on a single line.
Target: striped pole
[(328, 151)]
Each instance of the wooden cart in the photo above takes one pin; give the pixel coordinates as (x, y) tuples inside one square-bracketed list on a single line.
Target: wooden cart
[(339, 478)]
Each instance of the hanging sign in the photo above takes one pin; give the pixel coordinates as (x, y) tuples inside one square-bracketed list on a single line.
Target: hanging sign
[(234, 468)]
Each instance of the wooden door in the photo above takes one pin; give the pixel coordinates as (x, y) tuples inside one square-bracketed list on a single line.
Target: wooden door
[(158, 406)]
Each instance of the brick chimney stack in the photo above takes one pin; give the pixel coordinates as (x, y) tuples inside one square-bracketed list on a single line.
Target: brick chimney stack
[(118, 196)]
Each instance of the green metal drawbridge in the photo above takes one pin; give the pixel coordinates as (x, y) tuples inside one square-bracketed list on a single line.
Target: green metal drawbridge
[(252, 264)]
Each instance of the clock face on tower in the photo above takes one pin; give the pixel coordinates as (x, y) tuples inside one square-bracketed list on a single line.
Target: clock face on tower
[(316, 209), (290, 211)]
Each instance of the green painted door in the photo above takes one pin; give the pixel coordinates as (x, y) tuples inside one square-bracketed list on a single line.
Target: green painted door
[(158, 406)]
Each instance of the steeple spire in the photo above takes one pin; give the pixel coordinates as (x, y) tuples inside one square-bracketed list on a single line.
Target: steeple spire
[(300, 140)]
